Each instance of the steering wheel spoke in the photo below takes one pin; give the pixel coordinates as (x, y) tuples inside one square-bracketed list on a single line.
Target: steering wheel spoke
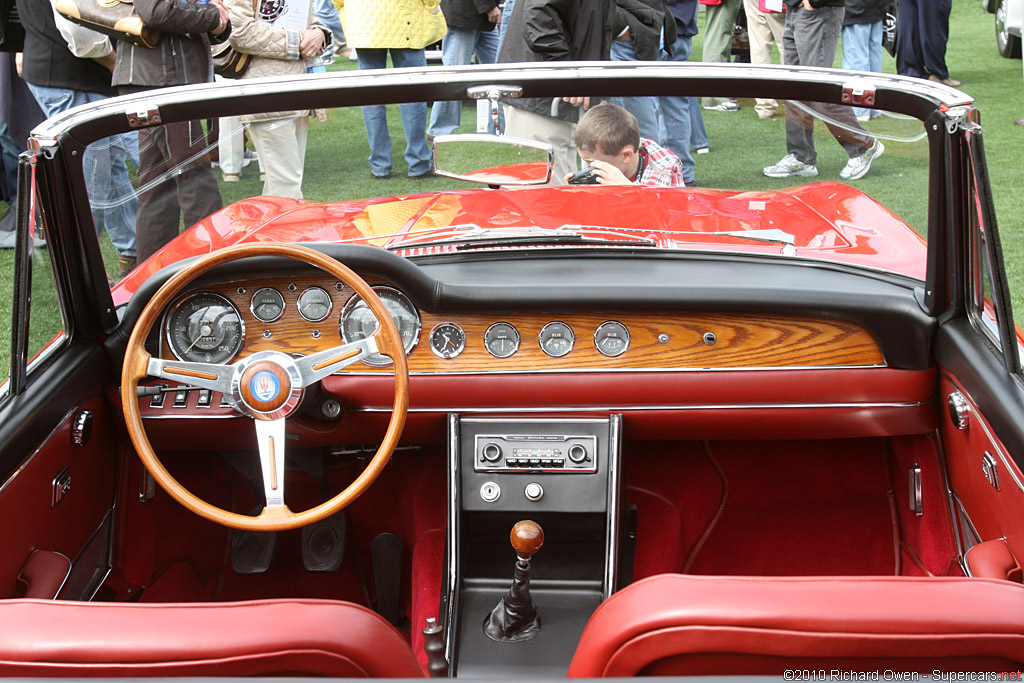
[(204, 375), (316, 366), (271, 437)]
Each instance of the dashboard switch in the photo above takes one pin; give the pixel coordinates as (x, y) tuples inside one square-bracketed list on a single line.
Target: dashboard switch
[(534, 491)]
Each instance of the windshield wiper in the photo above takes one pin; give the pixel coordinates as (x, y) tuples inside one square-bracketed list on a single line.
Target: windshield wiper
[(469, 236), (554, 239)]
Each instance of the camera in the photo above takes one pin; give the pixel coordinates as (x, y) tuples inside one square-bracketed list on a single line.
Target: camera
[(585, 176)]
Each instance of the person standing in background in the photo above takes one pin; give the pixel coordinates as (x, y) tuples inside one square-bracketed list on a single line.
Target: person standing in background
[(401, 28), (766, 22), (720, 18), (921, 36), (471, 24), (172, 163), (643, 30), (681, 116), (66, 65), (862, 41), (811, 39), (551, 31)]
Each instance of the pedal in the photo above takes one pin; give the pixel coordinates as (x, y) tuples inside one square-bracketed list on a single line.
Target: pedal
[(252, 551), (323, 543), (387, 575)]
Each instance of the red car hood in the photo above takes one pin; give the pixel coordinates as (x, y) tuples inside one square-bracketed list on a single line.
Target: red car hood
[(828, 220)]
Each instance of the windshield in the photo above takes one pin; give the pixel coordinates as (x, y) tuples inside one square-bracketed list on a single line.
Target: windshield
[(858, 196)]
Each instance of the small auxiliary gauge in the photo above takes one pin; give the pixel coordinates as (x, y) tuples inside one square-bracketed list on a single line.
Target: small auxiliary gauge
[(447, 340)]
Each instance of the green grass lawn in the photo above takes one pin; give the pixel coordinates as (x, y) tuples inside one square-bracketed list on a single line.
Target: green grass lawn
[(340, 147)]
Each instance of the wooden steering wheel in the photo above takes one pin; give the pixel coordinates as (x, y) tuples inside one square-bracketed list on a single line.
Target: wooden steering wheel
[(266, 386)]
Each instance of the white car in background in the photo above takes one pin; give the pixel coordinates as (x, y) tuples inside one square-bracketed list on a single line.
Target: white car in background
[(1009, 19)]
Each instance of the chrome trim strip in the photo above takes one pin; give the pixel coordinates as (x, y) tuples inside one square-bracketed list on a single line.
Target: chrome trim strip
[(30, 458), (619, 409), (191, 416), (612, 514), (453, 534), (601, 371), (518, 74)]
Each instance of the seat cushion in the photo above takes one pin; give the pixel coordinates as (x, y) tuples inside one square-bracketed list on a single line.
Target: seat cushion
[(262, 637), (675, 625)]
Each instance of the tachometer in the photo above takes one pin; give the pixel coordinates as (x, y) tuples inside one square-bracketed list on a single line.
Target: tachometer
[(204, 327), (358, 322)]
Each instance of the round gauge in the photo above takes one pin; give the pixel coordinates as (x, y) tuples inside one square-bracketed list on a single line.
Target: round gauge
[(358, 322), (447, 340), (314, 304), (204, 327), (556, 339), (267, 304), (611, 338), (501, 340)]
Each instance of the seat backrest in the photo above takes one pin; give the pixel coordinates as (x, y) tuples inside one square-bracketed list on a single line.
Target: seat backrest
[(256, 638), (705, 625)]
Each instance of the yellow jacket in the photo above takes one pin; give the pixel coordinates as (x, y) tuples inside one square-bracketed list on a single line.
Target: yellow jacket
[(392, 23)]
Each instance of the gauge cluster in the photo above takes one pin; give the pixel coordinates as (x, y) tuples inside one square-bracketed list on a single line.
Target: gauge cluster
[(302, 316)]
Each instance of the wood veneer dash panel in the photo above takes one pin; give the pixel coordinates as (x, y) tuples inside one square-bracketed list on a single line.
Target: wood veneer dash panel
[(742, 340)]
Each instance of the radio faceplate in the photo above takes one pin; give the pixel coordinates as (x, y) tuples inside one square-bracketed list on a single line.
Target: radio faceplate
[(535, 453)]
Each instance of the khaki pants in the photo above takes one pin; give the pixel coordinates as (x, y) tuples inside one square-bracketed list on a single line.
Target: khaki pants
[(281, 144), (556, 132), (764, 29)]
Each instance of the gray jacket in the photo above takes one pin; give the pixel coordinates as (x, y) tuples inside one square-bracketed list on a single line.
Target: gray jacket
[(181, 56)]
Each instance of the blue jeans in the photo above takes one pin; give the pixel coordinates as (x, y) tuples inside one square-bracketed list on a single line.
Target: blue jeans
[(645, 109), (111, 195), (327, 14), (414, 116), (458, 47), (682, 117), (862, 51)]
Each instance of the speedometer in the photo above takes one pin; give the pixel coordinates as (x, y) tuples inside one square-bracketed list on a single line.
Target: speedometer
[(358, 322), (204, 327)]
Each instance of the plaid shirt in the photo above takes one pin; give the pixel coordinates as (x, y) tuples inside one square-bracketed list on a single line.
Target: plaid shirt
[(662, 167)]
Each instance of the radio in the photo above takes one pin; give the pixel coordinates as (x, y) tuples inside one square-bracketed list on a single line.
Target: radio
[(534, 452)]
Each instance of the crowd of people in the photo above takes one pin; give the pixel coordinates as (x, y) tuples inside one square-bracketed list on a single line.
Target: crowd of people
[(643, 140)]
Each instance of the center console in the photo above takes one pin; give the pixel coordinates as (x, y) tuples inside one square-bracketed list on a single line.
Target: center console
[(562, 474)]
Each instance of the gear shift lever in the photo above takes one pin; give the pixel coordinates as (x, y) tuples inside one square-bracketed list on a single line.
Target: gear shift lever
[(515, 619)]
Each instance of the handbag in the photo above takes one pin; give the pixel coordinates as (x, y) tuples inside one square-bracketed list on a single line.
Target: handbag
[(229, 62), (115, 18)]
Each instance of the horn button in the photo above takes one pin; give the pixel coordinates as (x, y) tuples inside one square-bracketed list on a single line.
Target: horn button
[(268, 388)]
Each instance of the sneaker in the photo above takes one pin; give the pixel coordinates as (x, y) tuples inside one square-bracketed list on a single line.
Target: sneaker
[(232, 177), (790, 166), (728, 105), (857, 167), (703, 150)]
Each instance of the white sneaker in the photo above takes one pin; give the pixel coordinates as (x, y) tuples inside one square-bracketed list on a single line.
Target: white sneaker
[(857, 167), (790, 166), (728, 105)]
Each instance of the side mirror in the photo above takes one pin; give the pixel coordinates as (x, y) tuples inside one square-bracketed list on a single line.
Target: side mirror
[(493, 160)]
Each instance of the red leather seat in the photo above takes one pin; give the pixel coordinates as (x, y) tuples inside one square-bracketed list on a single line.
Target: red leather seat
[(262, 638), (677, 625)]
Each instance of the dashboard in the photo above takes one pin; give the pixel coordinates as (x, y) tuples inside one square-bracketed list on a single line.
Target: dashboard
[(303, 314)]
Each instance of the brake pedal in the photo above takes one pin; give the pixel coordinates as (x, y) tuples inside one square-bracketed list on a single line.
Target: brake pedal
[(387, 575), (323, 543), (252, 551)]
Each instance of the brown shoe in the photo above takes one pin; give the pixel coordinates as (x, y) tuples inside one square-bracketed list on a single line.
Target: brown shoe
[(945, 81)]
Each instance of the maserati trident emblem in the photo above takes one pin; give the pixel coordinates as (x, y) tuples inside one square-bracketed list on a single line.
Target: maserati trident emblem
[(264, 386)]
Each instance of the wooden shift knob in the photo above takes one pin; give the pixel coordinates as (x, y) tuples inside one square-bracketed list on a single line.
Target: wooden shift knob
[(527, 537)]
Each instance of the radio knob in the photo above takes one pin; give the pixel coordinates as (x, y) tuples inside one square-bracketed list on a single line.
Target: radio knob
[(491, 452), (534, 491), (577, 453)]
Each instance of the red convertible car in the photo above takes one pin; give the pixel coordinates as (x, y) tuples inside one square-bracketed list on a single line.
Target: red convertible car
[(483, 426)]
